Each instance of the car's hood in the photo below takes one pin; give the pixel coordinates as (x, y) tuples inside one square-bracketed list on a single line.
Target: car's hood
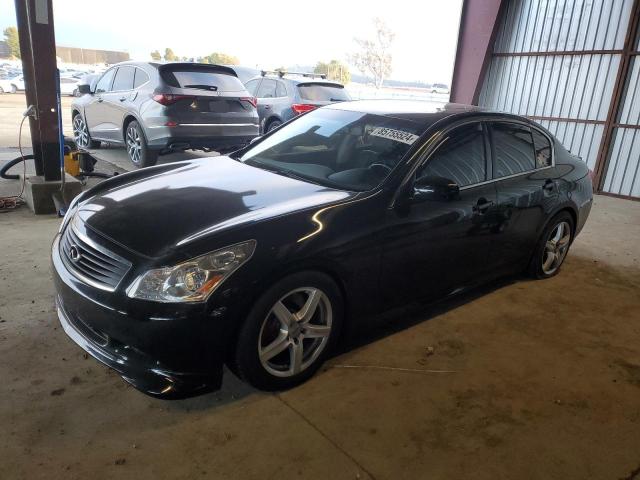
[(157, 209)]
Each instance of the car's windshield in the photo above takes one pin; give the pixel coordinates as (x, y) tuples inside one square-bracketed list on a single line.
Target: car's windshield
[(337, 148)]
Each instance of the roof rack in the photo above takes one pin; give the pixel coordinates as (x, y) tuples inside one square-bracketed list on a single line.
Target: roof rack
[(282, 73)]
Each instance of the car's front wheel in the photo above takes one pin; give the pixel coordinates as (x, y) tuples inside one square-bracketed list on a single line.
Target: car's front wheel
[(552, 247), (81, 133), (289, 332), (139, 152), (14, 89)]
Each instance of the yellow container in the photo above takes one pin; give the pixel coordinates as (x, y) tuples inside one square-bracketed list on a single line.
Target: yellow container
[(72, 164)]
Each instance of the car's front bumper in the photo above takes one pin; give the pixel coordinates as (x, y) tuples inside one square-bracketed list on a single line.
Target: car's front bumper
[(172, 352)]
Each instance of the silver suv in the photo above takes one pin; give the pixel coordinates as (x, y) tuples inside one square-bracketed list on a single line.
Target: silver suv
[(156, 108)]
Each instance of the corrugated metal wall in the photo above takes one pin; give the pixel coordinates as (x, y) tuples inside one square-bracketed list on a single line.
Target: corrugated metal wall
[(557, 62)]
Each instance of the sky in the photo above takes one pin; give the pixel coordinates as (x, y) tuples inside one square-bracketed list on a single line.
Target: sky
[(263, 34)]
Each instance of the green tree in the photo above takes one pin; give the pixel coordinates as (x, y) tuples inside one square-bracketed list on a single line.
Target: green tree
[(221, 59), (334, 70), (155, 55), (13, 41), (169, 56)]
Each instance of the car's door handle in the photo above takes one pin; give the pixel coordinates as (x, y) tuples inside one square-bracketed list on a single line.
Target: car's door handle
[(549, 185), (267, 107), (100, 99), (122, 99), (482, 205)]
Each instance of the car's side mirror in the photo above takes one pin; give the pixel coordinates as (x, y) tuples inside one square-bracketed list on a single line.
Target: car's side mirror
[(434, 188), (83, 89)]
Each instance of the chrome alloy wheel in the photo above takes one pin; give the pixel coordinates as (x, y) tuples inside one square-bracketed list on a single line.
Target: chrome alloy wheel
[(134, 144), (80, 132), (295, 332), (556, 248)]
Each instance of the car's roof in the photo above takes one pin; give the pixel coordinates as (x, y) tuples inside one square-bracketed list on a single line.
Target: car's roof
[(414, 110), (297, 79)]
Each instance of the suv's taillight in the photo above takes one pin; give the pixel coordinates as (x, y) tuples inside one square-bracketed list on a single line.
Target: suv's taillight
[(170, 99), (252, 100), (302, 108)]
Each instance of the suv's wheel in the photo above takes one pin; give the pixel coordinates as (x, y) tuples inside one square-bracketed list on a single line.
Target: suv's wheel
[(273, 124), (81, 133), (137, 149), (14, 89), (553, 246), (289, 332)]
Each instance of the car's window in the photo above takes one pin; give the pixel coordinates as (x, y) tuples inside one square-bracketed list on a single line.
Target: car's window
[(281, 90), (200, 78), (124, 79), (513, 149), (317, 92), (543, 149), (336, 148), (267, 89), (141, 78), (252, 85), (104, 84), (460, 158)]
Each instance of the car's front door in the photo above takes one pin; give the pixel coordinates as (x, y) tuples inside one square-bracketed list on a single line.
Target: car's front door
[(527, 190), (435, 245), (95, 112), (116, 102)]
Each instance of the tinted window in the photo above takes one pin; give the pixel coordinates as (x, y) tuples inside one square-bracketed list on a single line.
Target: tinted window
[(513, 149), (316, 92), (281, 90), (267, 89), (252, 85), (201, 78), (461, 158), (336, 148), (140, 78), (124, 79), (104, 84), (543, 149)]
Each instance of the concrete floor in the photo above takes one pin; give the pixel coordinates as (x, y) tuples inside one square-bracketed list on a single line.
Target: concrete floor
[(522, 379)]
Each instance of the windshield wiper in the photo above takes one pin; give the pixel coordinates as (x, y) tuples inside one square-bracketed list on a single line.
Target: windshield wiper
[(211, 88)]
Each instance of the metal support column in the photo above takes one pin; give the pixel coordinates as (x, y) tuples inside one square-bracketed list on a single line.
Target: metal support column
[(38, 51)]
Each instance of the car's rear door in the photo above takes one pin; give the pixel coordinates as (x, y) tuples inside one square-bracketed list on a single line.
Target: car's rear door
[(434, 246), (526, 186)]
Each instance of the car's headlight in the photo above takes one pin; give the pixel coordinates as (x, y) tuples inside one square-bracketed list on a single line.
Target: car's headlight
[(70, 213), (194, 280)]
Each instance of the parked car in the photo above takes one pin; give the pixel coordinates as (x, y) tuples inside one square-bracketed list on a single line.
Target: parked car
[(343, 212), (283, 95), (12, 84), (69, 86), (156, 108), (244, 73), (439, 88)]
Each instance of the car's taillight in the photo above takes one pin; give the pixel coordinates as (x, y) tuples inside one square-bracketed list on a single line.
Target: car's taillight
[(252, 100), (170, 99), (302, 107)]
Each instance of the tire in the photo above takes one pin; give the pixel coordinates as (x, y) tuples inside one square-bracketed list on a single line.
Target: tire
[(81, 133), (137, 149), (14, 89), (553, 247), (75, 93), (1, 90), (266, 348), (273, 124)]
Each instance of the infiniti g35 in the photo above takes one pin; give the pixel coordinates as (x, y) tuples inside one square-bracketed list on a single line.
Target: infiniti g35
[(260, 259)]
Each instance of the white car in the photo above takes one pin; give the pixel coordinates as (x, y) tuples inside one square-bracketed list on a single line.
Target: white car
[(12, 85), (69, 86), (439, 88)]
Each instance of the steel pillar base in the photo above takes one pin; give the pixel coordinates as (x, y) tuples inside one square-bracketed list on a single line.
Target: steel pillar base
[(38, 193)]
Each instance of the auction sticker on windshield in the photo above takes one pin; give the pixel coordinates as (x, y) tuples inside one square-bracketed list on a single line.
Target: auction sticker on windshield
[(396, 135)]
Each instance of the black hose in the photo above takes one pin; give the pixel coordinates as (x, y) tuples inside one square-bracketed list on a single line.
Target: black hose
[(11, 163)]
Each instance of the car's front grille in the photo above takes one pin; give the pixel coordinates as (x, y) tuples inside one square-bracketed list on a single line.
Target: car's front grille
[(89, 262)]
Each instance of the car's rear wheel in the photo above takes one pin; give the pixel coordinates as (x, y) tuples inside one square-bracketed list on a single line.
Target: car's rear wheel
[(137, 149), (289, 332), (14, 89), (273, 124), (553, 247), (81, 133)]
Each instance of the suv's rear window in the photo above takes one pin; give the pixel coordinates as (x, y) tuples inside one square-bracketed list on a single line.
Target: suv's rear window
[(315, 92), (202, 78)]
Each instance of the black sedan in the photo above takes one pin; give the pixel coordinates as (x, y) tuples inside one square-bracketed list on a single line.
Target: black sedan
[(261, 258)]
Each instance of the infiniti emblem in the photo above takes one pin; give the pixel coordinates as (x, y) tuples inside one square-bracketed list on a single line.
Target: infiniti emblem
[(74, 253)]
